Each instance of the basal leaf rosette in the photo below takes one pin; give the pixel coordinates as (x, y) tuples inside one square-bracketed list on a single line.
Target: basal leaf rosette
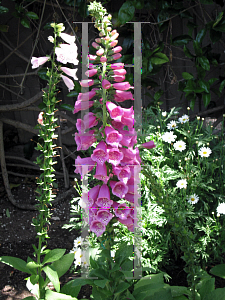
[(115, 162)]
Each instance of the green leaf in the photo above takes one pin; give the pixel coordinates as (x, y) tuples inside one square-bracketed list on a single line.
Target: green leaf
[(215, 36), (42, 73), (139, 4), (16, 263), (32, 15), (197, 48), (121, 287), (101, 283), (218, 294), (33, 265), (187, 75), (204, 63), (50, 295), (53, 255), (181, 40), (158, 95), (163, 294), (162, 55), (206, 99), (207, 287), (192, 104), (126, 12), (179, 291), (72, 94), (212, 80), (4, 28), (160, 59), (222, 86), (201, 34), (3, 9), (204, 85), (218, 270), (187, 52), (218, 19), (66, 107), (25, 22), (73, 287), (150, 280), (30, 298), (53, 277)]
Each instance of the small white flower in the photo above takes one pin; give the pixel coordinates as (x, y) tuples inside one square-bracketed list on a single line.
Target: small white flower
[(78, 256), (172, 125), (180, 146), (184, 119), (169, 137), (182, 184), (193, 199), (221, 208), (78, 241), (204, 152), (164, 113), (51, 39)]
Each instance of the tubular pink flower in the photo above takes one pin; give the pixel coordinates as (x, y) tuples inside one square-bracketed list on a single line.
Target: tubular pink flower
[(115, 111), (88, 122), (116, 66), (126, 138), (122, 86), (118, 78), (79, 162), (86, 96), (113, 43), (148, 145), (116, 56), (120, 72), (101, 173), (123, 173), (106, 84), (117, 49), (103, 199), (129, 153), (70, 52), (95, 45), (70, 39), (85, 140), (104, 216), (121, 210), (115, 156), (93, 193), (123, 95), (113, 32), (97, 227), (100, 52), (91, 72), (114, 37), (38, 61), (117, 125), (113, 137), (90, 66), (128, 121), (80, 105), (119, 188), (68, 82), (98, 40), (103, 59), (100, 154), (92, 57), (40, 118), (70, 72), (61, 55), (87, 82), (128, 222)]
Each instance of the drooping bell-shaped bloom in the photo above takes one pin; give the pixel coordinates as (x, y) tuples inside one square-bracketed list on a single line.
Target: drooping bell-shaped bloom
[(85, 140), (113, 43), (70, 39), (86, 201), (38, 61), (70, 72), (117, 125), (86, 96), (104, 216), (98, 40), (97, 227), (116, 56), (116, 66), (91, 72), (114, 110), (123, 95), (40, 118), (115, 156), (92, 57), (100, 52), (87, 82), (103, 199), (119, 72), (128, 222), (87, 161), (68, 82), (101, 173), (128, 117), (129, 153), (123, 173), (106, 84), (95, 45), (93, 193), (126, 137), (70, 51), (148, 145), (122, 86), (80, 105), (119, 188), (117, 49), (113, 137), (100, 154), (121, 210), (118, 78), (88, 122), (114, 37)]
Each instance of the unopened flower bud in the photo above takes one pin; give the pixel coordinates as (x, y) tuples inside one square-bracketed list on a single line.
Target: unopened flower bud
[(198, 118), (108, 29), (103, 59), (100, 52), (98, 40), (188, 108), (203, 119)]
